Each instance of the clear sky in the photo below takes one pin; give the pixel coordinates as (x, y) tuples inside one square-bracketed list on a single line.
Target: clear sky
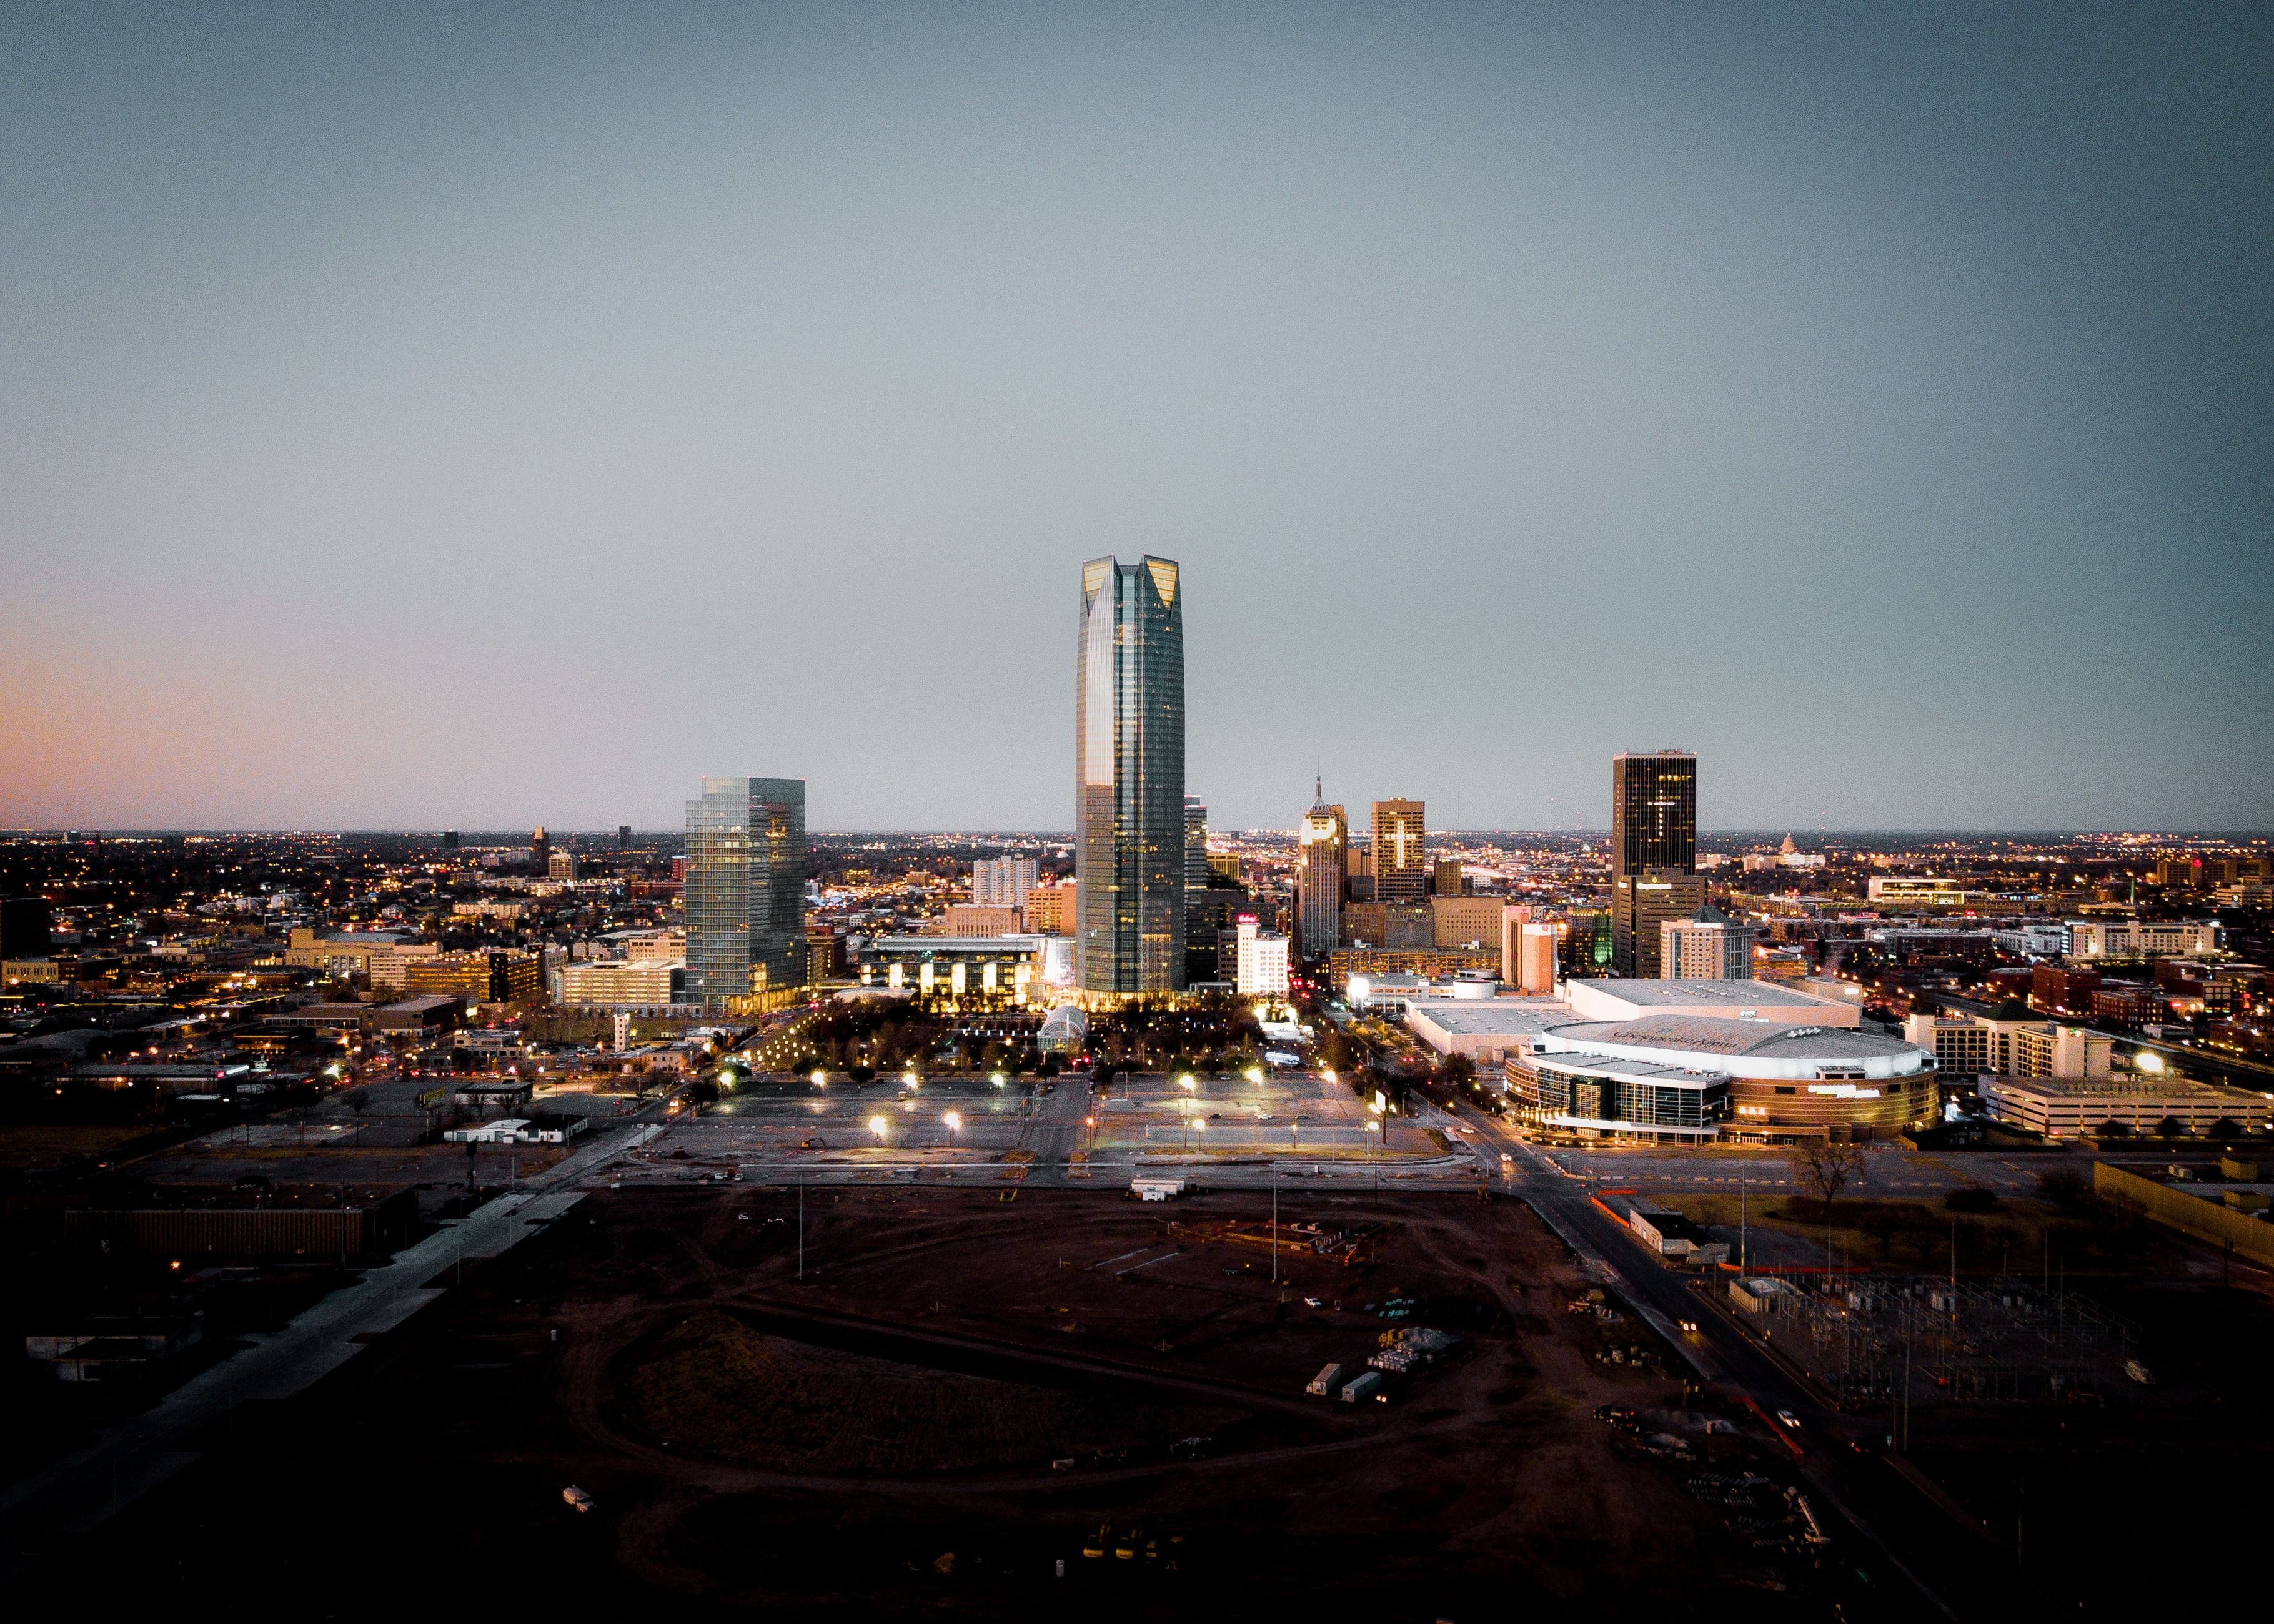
[(484, 416)]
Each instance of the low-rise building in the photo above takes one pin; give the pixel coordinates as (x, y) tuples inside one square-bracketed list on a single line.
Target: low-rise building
[(987, 970), (2065, 1107), (2144, 939)]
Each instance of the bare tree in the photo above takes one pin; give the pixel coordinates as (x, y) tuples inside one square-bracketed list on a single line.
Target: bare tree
[(1829, 1169)]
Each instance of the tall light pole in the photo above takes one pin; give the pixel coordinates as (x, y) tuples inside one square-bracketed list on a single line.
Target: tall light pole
[(954, 1123)]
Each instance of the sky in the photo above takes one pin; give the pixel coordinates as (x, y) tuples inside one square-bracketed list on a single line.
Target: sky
[(481, 416)]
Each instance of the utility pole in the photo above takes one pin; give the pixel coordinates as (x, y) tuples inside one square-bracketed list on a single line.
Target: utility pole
[(1275, 1234), (801, 1232)]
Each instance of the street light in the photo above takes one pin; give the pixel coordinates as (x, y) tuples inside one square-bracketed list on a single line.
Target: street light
[(1255, 1074), (1327, 1074), (876, 1125), (820, 1077), (998, 1080), (954, 1123)]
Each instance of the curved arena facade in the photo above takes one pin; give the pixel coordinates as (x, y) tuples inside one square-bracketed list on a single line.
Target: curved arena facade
[(1683, 1078)]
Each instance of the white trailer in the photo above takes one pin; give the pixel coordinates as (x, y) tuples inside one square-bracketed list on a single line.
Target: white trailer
[(1155, 1189)]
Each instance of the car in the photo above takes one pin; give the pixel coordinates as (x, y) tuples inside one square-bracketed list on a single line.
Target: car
[(1690, 1328), (1788, 1419), (1311, 1302)]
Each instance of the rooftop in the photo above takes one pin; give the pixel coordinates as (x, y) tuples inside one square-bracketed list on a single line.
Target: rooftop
[(1666, 993), (1712, 1035), (1489, 1018)]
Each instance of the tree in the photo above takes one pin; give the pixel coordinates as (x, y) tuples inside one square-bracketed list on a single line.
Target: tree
[(1460, 1071), (2113, 1130), (2227, 1128), (2171, 1128), (1827, 1168)]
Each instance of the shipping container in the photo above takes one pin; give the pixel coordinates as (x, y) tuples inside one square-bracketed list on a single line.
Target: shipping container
[(1366, 1384), (1326, 1381)]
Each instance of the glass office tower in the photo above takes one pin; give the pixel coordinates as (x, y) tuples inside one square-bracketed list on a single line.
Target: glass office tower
[(1129, 777), (745, 895)]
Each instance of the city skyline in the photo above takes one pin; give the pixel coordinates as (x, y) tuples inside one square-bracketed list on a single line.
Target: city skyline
[(1926, 355)]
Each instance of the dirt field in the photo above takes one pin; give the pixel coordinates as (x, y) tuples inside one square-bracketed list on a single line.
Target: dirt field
[(961, 1394)]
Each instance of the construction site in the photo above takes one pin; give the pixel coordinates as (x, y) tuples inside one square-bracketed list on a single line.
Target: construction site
[(879, 1403)]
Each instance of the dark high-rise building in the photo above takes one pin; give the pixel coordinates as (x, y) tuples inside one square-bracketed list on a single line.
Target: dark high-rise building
[(745, 894), (1655, 812), (623, 836), (450, 840), (1653, 853), (1640, 903), (27, 927), (540, 850), (1401, 874), (1129, 778)]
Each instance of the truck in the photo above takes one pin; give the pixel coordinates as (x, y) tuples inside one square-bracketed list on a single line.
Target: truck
[(1155, 1189), (1365, 1385), (1324, 1384)]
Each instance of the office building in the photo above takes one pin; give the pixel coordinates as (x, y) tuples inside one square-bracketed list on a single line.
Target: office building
[(1707, 946), (972, 921), (745, 893), (492, 975), (1223, 869), (2144, 939), (1528, 950), (1002, 882), (540, 850), (1049, 910), (1196, 853), (1129, 743), (1589, 942), (1447, 879), (1319, 843), (623, 836), (1261, 971), (1466, 921), (562, 866), (1401, 874), (640, 984), (1654, 853), (1654, 812), (450, 840), (1640, 904)]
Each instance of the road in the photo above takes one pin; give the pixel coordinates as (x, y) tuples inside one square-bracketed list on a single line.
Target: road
[(139, 1453)]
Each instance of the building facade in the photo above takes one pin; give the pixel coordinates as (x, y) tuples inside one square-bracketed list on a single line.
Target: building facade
[(1002, 882), (1262, 962), (745, 889), (1319, 861), (1654, 812), (1129, 756), (1707, 946), (1401, 873), (1641, 904)]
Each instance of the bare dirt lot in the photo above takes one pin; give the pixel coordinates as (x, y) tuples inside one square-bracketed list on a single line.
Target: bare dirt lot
[(966, 1392)]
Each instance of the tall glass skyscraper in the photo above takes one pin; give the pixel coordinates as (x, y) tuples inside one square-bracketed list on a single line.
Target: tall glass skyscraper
[(1654, 853), (745, 896), (1129, 778), (1319, 866)]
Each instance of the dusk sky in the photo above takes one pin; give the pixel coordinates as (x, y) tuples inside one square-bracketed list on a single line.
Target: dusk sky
[(481, 416)]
